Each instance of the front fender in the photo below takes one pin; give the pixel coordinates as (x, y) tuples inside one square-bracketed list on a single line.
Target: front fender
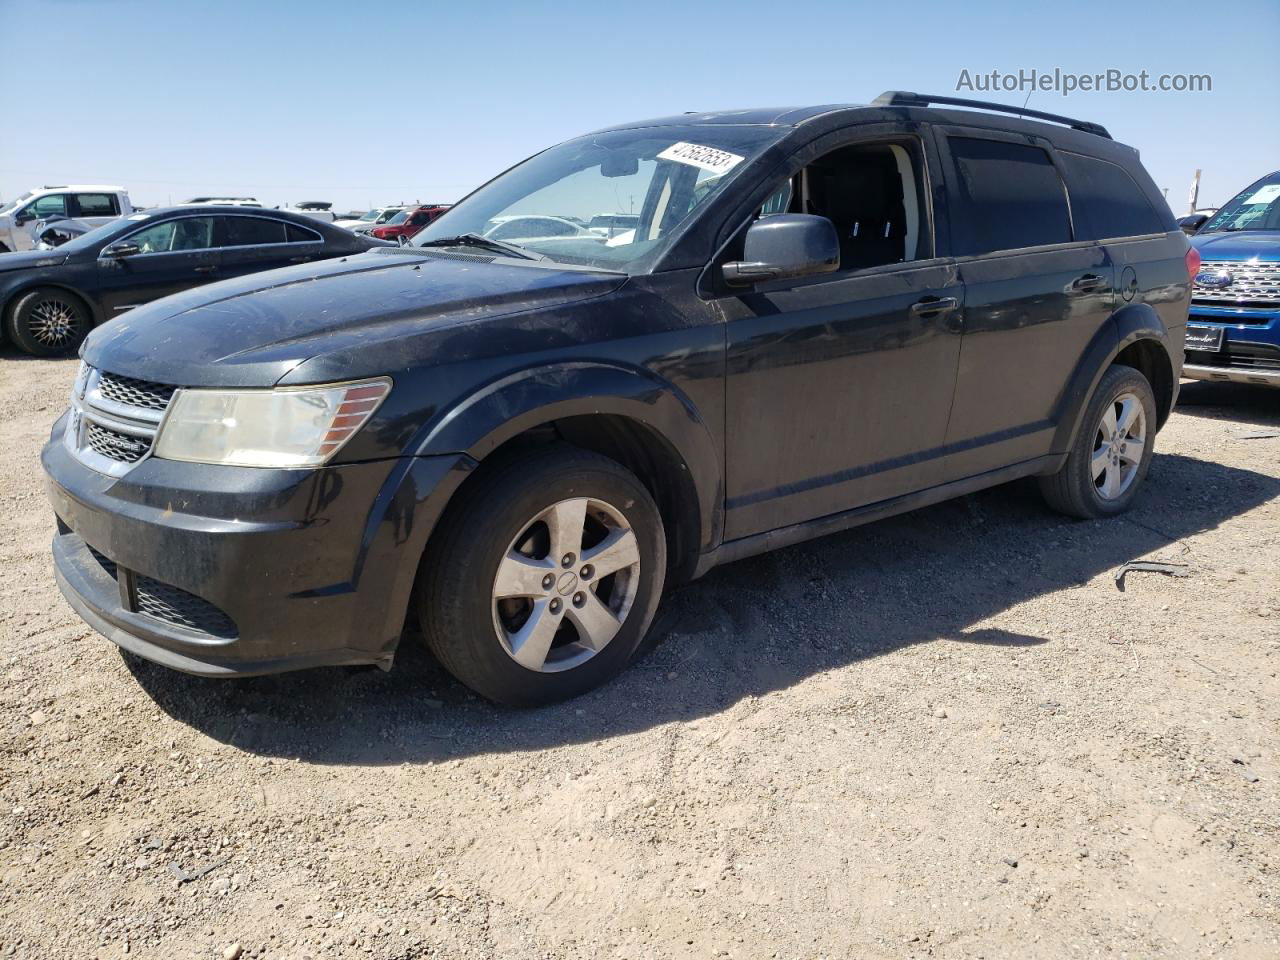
[(1129, 324), (503, 409)]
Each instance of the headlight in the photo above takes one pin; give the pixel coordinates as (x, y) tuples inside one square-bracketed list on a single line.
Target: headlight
[(285, 427)]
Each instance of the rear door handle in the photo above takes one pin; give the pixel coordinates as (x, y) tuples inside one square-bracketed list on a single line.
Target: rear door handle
[(1088, 283), (299, 259), (205, 268), (931, 305)]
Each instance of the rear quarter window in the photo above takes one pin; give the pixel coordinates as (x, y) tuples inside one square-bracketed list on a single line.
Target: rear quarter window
[(1005, 196), (299, 235), (1106, 201)]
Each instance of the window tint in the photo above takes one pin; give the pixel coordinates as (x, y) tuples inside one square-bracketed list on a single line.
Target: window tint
[(1007, 196), (298, 235), (98, 204), (1106, 201), (189, 233), (248, 231), (55, 203)]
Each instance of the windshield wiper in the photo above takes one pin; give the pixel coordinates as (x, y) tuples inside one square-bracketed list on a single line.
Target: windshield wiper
[(485, 243)]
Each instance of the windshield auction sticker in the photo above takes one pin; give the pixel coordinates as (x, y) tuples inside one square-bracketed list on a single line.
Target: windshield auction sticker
[(1265, 195), (705, 158)]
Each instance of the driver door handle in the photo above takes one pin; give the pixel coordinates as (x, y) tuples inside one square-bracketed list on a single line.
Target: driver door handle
[(931, 305), (205, 268), (1088, 283)]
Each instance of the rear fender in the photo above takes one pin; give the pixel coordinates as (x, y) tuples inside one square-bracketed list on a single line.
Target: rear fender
[(1133, 322)]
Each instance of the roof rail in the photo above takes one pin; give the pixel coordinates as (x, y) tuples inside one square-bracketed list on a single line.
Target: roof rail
[(903, 98)]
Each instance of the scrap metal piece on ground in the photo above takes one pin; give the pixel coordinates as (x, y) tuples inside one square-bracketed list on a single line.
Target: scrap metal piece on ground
[(1150, 566)]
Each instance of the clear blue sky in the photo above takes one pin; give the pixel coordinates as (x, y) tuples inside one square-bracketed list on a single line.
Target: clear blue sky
[(385, 100)]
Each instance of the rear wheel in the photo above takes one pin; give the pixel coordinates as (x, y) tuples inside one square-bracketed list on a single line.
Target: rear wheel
[(48, 322), (541, 584), (1112, 453)]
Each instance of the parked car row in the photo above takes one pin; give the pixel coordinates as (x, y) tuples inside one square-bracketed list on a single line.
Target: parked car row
[(50, 300)]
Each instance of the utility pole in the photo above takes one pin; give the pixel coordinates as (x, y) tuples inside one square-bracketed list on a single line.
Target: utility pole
[(1195, 193)]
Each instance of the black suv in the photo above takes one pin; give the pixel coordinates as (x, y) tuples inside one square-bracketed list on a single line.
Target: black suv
[(821, 316)]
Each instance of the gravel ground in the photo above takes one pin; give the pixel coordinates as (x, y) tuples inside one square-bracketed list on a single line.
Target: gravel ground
[(948, 734)]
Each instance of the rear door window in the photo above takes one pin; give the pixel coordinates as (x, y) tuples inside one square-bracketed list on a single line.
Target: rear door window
[(251, 231), (97, 205), (1106, 201), (1006, 196)]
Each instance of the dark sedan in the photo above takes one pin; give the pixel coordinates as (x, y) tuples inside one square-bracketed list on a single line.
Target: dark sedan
[(50, 300)]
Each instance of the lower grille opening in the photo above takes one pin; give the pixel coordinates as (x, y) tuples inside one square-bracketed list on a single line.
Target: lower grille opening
[(105, 562), (173, 605)]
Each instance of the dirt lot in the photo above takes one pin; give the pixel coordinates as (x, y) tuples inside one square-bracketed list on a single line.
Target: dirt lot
[(947, 734)]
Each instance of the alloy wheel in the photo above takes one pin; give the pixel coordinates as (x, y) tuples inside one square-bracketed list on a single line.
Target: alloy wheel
[(1118, 447), (565, 585), (53, 323)]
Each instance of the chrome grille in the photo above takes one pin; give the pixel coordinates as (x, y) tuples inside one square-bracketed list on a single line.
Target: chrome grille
[(115, 446), (135, 393), (114, 419), (1250, 284)]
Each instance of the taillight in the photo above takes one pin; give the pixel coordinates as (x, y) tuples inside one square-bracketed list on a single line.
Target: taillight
[(1193, 262)]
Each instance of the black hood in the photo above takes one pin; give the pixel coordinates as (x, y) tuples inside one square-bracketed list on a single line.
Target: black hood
[(254, 330)]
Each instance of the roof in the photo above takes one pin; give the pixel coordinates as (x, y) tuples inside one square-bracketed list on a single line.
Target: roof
[(893, 105), (96, 187)]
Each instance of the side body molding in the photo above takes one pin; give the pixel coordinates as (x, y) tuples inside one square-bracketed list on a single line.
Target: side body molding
[(529, 398)]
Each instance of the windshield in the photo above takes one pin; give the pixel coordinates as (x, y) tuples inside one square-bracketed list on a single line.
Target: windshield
[(372, 214), (650, 179), (400, 217), (16, 202), (103, 233), (1256, 208)]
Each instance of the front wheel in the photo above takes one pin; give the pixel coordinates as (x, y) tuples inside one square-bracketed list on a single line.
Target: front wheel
[(48, 322), (1112, 452), (542, 582)]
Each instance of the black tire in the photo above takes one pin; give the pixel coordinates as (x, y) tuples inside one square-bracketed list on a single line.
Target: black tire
[(1073, 490), (460, 619), (48, 322)]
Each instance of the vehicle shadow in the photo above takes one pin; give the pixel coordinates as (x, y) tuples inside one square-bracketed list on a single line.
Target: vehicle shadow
[(1237, 402), (747, 629)]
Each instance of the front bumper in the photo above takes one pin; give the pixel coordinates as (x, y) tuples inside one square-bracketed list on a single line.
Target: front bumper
[(1250, 346), (230, 571)]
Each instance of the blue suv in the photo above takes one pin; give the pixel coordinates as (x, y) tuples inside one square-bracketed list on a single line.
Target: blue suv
[(1233, 331)]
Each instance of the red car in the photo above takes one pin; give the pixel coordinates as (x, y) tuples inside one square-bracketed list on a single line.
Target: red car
[(408, 222)]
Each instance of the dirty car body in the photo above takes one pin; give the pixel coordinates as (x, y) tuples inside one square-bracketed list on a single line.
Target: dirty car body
[(758, 415)]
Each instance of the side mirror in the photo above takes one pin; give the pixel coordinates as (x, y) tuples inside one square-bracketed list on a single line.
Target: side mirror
[(23, 216), (1192, 223), (784, 247), (118, 251)]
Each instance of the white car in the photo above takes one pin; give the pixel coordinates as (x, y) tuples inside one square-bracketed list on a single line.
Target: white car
[(532, 226), (220, 202), (316, 209), (92, 204), (374, 218)]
